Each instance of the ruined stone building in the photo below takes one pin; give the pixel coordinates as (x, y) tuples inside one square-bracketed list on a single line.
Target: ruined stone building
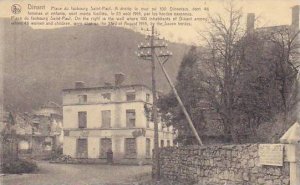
[(40, 132), (47, 122), (37, 133)]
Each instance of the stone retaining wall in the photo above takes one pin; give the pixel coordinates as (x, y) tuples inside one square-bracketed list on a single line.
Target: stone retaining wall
[(219, 165)]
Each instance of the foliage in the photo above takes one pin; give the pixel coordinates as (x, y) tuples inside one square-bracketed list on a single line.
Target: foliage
[(284, 54), (189, 89), (222, 61), (275, 129), (148, 112), (19, 166), (238, 77), (9, 144), (56, 153)]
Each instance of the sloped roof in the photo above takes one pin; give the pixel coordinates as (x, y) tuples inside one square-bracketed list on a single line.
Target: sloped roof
[(272, 28), (51, 104), (292, 136)]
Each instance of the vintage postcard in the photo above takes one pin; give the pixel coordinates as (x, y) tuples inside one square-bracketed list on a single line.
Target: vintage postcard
[(136, 92)]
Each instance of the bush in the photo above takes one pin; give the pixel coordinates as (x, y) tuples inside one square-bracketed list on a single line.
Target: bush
[(57, 153), (19, 166)]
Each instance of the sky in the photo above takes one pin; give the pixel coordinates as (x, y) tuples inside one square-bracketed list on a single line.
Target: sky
[(270, 13)]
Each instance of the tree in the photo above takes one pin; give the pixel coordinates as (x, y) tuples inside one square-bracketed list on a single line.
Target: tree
[(189, 89), (238, 75), (257, 92), (284, 48), (9, 139), (222, 60)]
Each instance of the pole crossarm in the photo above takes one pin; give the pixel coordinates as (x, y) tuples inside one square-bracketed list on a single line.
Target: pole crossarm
[(157, 49)]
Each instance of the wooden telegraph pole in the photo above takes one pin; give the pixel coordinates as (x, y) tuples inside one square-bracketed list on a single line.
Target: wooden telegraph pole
[(154, 109), (147, 51)]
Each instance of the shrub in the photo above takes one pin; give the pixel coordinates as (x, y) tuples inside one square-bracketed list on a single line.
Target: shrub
[(19, 166), (57, 153)]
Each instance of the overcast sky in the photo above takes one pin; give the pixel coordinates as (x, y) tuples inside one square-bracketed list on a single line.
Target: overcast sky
[(270, 12)]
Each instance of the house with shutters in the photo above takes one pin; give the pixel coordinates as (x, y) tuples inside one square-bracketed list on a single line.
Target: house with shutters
[(110, 118)]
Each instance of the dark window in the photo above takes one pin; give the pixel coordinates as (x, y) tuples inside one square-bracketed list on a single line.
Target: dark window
[(162, 143), (147, 97), (82, 119), (106, 96), (130, 118), (106, 118), (168, 143), (82, 98), (130, 148), (148, 147), (81, 148), (105, 146), (130, 96)]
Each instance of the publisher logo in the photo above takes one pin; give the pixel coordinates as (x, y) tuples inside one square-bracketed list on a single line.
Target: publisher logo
[(16, 9)]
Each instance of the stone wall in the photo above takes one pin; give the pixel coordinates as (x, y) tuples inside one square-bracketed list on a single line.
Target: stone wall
[(219, 165)]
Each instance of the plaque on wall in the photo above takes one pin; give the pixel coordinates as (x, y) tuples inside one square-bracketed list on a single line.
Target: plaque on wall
[(271, 154)]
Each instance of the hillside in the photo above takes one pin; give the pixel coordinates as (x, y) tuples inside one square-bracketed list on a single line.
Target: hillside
[(38, 64)]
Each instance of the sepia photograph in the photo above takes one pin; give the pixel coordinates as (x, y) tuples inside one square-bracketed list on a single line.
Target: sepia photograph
[(109, 92)]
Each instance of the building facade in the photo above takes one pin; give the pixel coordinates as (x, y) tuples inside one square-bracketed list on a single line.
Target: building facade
[(47, 122), (98, 120), (40, 132), (37, 133)]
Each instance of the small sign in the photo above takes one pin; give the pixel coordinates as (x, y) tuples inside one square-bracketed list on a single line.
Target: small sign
[(84, 133), (140, 132), (271, 154)]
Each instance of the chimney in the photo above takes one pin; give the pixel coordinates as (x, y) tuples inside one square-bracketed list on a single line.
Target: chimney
[(79, 84), (295, 16), (119, 79), (250, 22)]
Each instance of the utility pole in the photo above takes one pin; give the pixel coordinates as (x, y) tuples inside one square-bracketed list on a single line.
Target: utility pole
[(154, 107), (156, 48), (147, 52)]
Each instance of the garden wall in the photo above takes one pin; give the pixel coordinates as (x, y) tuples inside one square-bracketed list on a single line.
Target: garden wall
[(219, 165)]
